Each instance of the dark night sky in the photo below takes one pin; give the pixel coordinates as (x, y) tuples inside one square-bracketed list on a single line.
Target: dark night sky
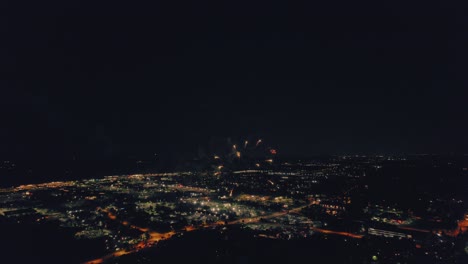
[(104, 79)]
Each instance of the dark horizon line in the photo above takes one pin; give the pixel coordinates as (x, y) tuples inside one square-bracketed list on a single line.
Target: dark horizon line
[(194, 157)]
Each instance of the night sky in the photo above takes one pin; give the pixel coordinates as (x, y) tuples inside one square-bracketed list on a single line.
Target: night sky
[(108, 79)]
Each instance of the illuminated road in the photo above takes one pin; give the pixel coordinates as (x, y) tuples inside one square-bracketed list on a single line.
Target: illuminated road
[(152, 240), (331, 232), (155, 237)]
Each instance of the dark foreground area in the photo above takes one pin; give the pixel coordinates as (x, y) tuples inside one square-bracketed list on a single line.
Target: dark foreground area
[(233, 245), (236, 246), (46, 243)]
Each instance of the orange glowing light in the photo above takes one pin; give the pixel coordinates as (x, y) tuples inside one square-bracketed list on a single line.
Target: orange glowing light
[(189, 228), (111, 216)]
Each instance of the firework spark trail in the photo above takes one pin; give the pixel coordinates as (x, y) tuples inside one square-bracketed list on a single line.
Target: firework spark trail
[(258, 142)]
